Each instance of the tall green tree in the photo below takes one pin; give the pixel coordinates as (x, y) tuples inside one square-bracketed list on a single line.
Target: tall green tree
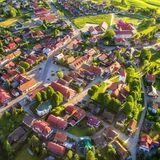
[(90, 155)]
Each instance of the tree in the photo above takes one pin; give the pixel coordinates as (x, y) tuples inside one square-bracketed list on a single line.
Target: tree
[(109, 35), (111, 151), (25, 65), (38, 97), (8, 149), (49, 92), (128, 108), (7, 84), (157, 126), (93, 90), (44, 152), (104, 99), (34, 142), (123, 2), (44, 95), (145, 54), (21, 69), (70, 154), (60, 74), (13, 11), (114, 105), (60, 98), (90, 155), (76, 157)]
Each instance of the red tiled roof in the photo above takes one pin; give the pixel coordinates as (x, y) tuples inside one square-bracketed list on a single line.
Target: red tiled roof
[(56, 148), (124, 26), (123, 32), (102, 57), (150, 77), (66, 91), (93, 69), (133, 124), (42, 127), (57, 121), (4, 96), (120, 40), (79, 114), (61, 137), (70, 109)]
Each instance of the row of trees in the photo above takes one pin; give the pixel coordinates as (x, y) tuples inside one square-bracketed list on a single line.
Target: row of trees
[(133, 105), (8, 122), (49, 94), (36, 147), (106, 101)]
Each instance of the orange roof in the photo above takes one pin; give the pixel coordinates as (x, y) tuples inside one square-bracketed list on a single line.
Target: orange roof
[(133, 124), (56, 148), (60, 137), (29, 84)]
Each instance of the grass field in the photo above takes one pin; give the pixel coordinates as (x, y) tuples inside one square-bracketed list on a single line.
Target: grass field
[(24, 155), (79, 130), (148, 30), (8, 22), (155, 4), (134, 21), (81, 21)]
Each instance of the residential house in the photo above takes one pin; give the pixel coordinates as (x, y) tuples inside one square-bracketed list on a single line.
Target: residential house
[(94, 108), (118, 90), (43, 128), (77, 114), (150, 78), (102, 57), (4, 96), (57, 122), (122, 151), (153, 106), (66, 91), (29, 85), (93, 121), (147, 126), (60, 137), (56, 148), (146, 143), (18, 135), (114, 68), (152, 92), (93, 69), (110, 134), (83, 59), (132, 127), (10, 57), (44, 108), (120, 123), (100, 141), (28, 120), (37, 34), (108, 116), (100, 29)]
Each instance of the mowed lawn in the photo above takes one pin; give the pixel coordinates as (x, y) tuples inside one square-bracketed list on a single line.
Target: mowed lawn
[(8, 22), (80, 129), (98, 19), (24, 155)]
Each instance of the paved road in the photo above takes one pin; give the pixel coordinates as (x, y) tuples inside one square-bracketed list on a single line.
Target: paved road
[(16, 100), (133, 143)]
